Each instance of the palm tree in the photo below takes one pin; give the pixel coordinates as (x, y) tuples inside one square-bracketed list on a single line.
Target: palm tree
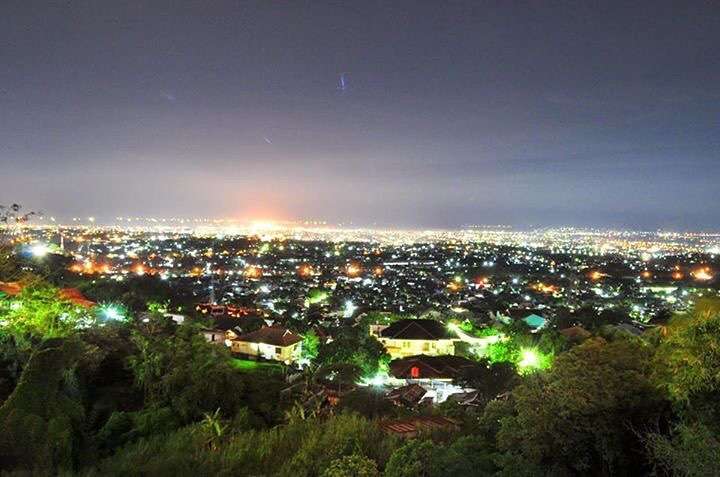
[(213, 428)]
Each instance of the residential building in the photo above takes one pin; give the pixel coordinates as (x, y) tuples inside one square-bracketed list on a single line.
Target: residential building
[(414, 337), (269, 342)]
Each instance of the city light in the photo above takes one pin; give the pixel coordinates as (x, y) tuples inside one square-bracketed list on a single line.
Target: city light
[(113, 312), (349, 309), (306, 271), (353, 269), (529, 359), (703, 274), (252, 272), (39, 250)]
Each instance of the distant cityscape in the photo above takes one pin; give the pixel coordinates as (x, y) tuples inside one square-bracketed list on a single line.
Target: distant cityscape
[(274, 267)]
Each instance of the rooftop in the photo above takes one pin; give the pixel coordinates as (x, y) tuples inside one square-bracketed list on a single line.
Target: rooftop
[(272, 335), (416, 330)]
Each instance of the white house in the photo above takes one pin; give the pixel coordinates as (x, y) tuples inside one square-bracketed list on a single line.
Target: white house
[(269, 342)]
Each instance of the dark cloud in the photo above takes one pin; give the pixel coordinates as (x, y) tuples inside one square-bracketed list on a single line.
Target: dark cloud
[(448, 114)]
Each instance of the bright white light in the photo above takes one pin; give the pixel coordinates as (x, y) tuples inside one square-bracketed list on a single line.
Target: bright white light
[(349, 309), (39, 250), (380, 379), (530, 359), (112, 312)]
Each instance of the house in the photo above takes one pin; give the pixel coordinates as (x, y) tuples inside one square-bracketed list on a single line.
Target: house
[(421, 367), (412, 427), (531, 318), (217, 310), (147, 317), (413, 337), (269, 342), (471, 398), (10, 288), (575, 333), (438, 375), (223, 330), (535, 322), (410, 395)]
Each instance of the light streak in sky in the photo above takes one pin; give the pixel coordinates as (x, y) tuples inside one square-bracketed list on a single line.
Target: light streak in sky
[(342, 83)]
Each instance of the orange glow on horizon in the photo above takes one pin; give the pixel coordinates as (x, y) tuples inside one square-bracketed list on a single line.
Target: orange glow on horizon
[(703, 274)]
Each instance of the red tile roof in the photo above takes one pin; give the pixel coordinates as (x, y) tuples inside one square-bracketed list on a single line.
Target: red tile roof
[(72, 295), (410, 427), (10, 288), (75, 296)]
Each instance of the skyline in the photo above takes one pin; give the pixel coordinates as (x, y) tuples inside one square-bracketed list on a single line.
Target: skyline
[(398, 115), (251, 226)]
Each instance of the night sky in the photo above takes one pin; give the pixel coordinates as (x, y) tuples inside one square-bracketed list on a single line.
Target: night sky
[(406, 114)]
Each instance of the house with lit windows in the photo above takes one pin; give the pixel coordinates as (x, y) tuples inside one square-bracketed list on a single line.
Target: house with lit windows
[(269, 342), (415, 337)]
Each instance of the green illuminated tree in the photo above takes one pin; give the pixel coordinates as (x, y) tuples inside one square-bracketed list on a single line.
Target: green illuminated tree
[(310, 345), (39, 313)]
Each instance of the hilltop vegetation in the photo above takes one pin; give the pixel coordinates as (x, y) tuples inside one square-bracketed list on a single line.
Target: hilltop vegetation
[(86, 395)]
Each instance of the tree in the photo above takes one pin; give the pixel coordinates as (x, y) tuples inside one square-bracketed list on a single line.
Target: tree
[(213, 428), (186, 372), (351, 346), (41, 420), (352, 466), (424, 458), (688, 359), (490, 379), (38, 313), (693, 451), (687, 367), (310, 346), (586, 413)]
